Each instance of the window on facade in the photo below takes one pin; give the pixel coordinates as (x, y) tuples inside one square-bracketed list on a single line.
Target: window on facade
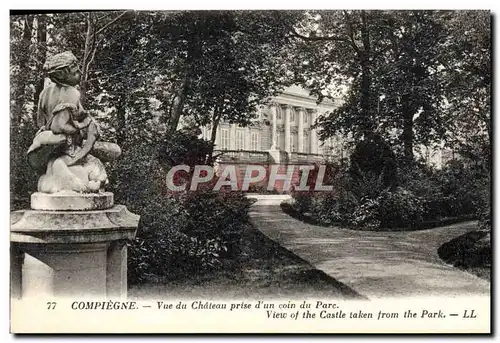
[(305, 117), (278, 113), (294, 143), (240, 140), (307, 144), (254, 141), (279, 139), (224, 139), (292, 116)]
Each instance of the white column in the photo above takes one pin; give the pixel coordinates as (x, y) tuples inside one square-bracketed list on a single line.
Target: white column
[(287, 109), (232, 137), (217, 137), (274, 142), (314, 140), (300, 137)]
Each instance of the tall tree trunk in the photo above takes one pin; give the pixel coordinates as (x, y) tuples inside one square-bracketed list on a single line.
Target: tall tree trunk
[(407, 136), (366, 79), (193, 52), (21, 176), (91, 44), (365, 98), (19, 95), (41, 56), (178, 103), (88, 55), (213, 135)]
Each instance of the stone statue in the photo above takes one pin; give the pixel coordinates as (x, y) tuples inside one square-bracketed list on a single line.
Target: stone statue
[(61, 148)]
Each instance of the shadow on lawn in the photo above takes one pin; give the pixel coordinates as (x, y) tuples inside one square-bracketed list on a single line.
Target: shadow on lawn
[(258, 268), (470, 252), (279, 267)]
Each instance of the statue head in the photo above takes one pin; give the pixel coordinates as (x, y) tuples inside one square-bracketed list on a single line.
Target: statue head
[(63, 68)]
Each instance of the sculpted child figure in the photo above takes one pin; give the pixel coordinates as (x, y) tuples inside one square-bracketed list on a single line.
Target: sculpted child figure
[(67, 134)]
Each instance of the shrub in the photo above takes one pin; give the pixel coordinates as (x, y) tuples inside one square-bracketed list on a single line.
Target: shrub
[(373, 193), (457, 190), (214, 214), (302, 201), (390, 210), (438, 206), (23, 178), (470, 251), (168, 254), (375, 157), (366, 184), (484, 222), (187, 235), (399, 209), (180, 234), (467, 186), (184, 148), (366, 215), (326, 207), (420, 179)]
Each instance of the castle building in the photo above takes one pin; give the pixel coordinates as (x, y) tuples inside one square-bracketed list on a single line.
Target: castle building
[(283, 124), (282, 132)]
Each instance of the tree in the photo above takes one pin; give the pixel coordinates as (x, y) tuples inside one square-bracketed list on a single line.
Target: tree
[(340, 48), (410, 81), (219, 65), (467, 82), (394, 63), (96, 24), (24, 69)]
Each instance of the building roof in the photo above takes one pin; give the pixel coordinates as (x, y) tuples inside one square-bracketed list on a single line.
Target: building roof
[(298, 96)]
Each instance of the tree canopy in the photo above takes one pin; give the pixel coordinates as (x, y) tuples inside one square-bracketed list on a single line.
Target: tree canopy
[(415, 78)]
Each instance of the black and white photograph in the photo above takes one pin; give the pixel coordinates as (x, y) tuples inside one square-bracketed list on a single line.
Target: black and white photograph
[(250, 171)]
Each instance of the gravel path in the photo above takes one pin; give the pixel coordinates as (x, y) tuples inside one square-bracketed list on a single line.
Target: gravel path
[(374, 264)]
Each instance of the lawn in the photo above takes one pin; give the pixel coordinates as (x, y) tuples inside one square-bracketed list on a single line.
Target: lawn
[(261, 269)]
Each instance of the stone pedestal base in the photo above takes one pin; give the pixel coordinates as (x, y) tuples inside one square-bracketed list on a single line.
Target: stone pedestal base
[(71, 253), (71, 201), (64, 270)]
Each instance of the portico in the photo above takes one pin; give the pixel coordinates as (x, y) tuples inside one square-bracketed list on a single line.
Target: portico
[(283, 124)]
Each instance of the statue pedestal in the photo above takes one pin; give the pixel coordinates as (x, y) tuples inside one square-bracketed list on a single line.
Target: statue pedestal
[(79, 252)]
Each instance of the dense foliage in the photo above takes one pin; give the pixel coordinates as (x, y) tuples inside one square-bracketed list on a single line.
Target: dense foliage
[(408, 82), (419, 198), (145, 72), (181, 234), (405, 80), (417, 78), (142, 74)]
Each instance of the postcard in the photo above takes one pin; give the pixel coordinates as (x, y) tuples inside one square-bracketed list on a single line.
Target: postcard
[(250, 171)]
